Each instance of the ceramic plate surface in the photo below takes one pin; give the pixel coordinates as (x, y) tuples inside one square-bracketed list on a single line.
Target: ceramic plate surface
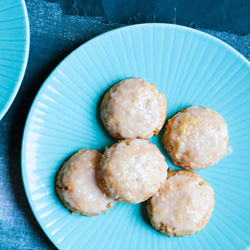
[(14, 49), (190, 67)]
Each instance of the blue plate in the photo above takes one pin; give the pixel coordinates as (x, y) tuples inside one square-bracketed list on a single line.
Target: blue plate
[(190, 67), (14, 49)]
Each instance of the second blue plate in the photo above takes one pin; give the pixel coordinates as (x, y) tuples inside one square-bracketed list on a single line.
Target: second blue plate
[(14, 49)]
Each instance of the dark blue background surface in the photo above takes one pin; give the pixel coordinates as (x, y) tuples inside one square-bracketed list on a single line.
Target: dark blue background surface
[(223, 15), (59, 26)]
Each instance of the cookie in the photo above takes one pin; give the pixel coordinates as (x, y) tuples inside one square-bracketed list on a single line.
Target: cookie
[(131, 170), (183, 205), (196, 137), (133, 108), (76, 184)]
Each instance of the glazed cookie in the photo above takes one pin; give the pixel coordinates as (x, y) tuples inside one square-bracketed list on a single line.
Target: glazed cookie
[(196, 137), (183, 205), (133, 108), (76, 184), (131, 170)]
